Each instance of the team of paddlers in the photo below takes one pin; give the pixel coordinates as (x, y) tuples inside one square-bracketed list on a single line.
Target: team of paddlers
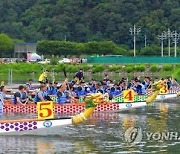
[(68, 92)]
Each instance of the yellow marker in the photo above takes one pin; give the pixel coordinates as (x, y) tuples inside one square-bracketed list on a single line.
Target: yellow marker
[(128, 95), (45, 110)]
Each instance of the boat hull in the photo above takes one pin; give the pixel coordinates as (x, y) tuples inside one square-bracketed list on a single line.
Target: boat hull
[(71, 109), (162, 97), (19, 127)]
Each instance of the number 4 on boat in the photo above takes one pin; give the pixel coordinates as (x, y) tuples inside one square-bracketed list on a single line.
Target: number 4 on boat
[(128, 95)]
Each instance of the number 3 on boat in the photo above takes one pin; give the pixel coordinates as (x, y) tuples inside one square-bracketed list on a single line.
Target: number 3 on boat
[(164, 89), (45, 110), (128, 95)]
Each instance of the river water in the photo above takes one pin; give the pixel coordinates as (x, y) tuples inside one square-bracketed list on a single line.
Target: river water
[(105, 133)]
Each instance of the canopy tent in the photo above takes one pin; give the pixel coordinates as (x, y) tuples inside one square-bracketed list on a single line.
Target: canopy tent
[(33, 57)]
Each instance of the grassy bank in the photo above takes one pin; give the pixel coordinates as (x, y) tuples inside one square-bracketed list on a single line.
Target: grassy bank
[(24, 71)]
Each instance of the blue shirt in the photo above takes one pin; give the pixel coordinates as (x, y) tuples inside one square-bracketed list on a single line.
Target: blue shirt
[(31, 87), (2, 96), (39, 95)]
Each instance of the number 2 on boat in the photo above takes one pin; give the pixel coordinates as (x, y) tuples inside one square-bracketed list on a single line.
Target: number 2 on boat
[(45, 110), (128, 95)]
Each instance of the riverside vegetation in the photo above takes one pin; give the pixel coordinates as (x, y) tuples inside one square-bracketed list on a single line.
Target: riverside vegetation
[(91, 70)]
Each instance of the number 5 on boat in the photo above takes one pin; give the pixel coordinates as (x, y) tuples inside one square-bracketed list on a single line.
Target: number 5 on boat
[(128, 95), (45, 110)]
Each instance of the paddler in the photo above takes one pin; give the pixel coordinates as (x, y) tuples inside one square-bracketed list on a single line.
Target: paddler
[(29, 84), (2, 97), (42, 94), (43, 78), (2, 94), (146, 82), (62, 95), (140, 88), (18, 97)]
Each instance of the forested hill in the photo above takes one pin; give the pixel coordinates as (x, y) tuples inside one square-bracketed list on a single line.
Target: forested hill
[(85, 20)]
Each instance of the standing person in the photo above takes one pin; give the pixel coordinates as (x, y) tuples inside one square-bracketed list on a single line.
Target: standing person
[(18, 96), (79, 76), (43, 78), (41, 95)]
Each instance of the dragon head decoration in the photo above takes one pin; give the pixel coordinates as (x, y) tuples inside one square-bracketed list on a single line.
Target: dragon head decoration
[(156, 89), (92, 100), (158, 85)]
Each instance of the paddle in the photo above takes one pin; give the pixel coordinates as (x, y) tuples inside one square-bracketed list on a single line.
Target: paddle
[(64, 71), (65, 76)]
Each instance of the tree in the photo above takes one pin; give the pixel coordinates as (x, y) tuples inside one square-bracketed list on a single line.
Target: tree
[(88, 20), (6, 45)]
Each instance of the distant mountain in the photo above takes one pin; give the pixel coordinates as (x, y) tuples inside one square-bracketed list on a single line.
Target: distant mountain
[(85, 20)]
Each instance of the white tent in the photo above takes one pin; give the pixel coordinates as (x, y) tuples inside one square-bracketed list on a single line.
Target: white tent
[(33, 57)]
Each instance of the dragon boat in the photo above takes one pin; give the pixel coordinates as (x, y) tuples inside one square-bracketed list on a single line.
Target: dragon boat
[(126, 102), (46, 118)]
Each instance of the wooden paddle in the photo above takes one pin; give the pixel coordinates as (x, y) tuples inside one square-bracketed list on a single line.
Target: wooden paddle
[(65, 76)]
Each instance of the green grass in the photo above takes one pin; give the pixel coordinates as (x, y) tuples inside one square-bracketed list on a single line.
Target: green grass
[(24, 71)]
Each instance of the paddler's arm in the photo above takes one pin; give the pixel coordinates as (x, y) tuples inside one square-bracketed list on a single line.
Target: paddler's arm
[(19, 101)]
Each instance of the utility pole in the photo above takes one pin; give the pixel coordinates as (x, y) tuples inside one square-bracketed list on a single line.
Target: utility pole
[(175, 37), (162, 37), (134, 31), (168, 35), (145, 40)]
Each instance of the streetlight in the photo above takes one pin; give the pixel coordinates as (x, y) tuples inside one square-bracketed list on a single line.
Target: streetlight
[(134, 31), (162, 37), (168, 35), (175, 37)]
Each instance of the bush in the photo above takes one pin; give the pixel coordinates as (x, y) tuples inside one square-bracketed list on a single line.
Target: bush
[(114, 68), (176, 74), (54, 61), (98, 68), (85, 67), (129, 69), (167, 67), (154, 68), (71, 68), (140, 68)]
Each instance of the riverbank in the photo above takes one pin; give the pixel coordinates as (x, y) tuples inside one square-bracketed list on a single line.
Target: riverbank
[(21, 72)]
